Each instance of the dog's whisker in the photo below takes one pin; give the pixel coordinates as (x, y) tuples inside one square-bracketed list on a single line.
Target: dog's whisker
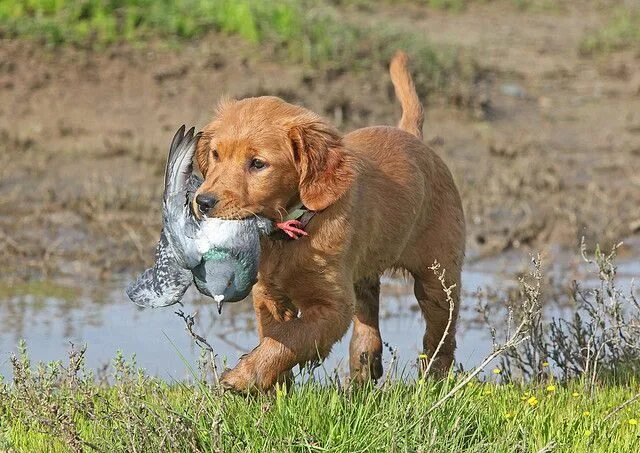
[(282, 212), (250, 212)]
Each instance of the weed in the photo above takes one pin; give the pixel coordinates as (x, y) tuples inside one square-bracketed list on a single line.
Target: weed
[(622, 32), (598, 342)]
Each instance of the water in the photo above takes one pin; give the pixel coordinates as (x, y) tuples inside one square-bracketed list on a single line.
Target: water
[(49, 317)]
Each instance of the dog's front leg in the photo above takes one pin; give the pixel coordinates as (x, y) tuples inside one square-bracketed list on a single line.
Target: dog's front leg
[(271, 309), (325, 315)]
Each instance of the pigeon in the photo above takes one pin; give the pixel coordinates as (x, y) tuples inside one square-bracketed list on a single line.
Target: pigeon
[(220, 256)]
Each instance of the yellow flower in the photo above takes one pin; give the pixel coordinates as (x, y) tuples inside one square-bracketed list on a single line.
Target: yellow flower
[(525, 396), (587, 433), (633, 421), (533, 401), (497, 371), (508, 415), (423, 356), (575, 394), (551, 388), (586, 413), (487, 392), (545, 364)]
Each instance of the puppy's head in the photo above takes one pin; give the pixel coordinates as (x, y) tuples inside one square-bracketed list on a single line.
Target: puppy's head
[(263, 155)]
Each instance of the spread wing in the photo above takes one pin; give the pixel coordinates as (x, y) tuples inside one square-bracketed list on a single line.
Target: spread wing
[(166, 282), (163, 284)]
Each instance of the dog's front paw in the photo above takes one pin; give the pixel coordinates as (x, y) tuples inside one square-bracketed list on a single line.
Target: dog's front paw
[(252, 375), (238, 379)]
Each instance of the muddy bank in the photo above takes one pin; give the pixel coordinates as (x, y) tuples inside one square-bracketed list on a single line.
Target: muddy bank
[(552, 155)]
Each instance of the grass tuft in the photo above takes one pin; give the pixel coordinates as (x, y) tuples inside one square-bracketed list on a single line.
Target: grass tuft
[(56, 408), (103, 22), (621, 33)]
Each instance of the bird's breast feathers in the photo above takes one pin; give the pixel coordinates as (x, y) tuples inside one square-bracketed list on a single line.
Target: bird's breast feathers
[(219, 233)]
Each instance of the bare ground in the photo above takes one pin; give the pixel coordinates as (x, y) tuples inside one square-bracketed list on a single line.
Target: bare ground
[(551, 153)]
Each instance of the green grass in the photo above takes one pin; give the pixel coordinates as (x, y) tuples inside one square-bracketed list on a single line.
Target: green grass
[(622, 32), (308, 32), (105, 22), (149, 415)]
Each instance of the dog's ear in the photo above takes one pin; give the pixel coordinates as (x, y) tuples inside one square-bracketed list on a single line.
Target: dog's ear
[(326, 168)]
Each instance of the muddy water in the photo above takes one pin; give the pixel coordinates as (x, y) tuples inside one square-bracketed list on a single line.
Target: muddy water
[(49, 317)]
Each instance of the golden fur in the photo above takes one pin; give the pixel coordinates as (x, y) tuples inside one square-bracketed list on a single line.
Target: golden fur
[(384, 200)]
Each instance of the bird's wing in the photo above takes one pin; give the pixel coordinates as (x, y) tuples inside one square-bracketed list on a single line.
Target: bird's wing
[(163, 284), (180, 162)]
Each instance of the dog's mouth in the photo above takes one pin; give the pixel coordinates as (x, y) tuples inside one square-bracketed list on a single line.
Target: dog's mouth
[(229, 214)]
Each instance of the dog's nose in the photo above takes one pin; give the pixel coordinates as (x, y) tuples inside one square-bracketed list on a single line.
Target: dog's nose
[(206, 202)]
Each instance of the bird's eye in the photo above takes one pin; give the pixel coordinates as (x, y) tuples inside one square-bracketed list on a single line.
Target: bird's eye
[(258, 164), (215, 154)]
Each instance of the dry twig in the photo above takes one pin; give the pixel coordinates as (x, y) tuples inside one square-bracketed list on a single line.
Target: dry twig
[(435, 267), (200, 341)]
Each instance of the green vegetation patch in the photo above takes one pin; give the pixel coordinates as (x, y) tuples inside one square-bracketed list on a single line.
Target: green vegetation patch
[(101, 22), (622, 32), (308, 32), (57, 408), (38, 289)]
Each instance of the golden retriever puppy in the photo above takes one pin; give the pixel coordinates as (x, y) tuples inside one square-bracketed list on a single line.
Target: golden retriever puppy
[(382, 200)]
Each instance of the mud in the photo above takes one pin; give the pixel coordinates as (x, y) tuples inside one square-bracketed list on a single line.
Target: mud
[(554, 155)]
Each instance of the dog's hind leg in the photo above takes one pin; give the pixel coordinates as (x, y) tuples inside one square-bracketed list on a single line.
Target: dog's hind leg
[(440, 314), (365, 348)]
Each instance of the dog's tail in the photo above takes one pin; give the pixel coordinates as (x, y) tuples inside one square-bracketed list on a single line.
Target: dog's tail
[(412, 113)]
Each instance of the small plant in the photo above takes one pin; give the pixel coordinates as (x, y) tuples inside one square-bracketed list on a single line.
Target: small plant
[(601, 339), (622, 32)]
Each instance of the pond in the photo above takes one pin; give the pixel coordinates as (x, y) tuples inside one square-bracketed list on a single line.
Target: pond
[(50, 316)]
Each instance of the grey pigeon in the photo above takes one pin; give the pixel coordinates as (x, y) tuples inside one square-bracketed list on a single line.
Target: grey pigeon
[(220, 256)]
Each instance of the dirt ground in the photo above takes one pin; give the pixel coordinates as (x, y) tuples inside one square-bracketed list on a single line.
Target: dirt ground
[(551, 154)]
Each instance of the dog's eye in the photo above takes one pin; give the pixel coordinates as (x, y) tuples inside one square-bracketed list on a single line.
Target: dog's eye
[(215, 154), (258, 163)]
